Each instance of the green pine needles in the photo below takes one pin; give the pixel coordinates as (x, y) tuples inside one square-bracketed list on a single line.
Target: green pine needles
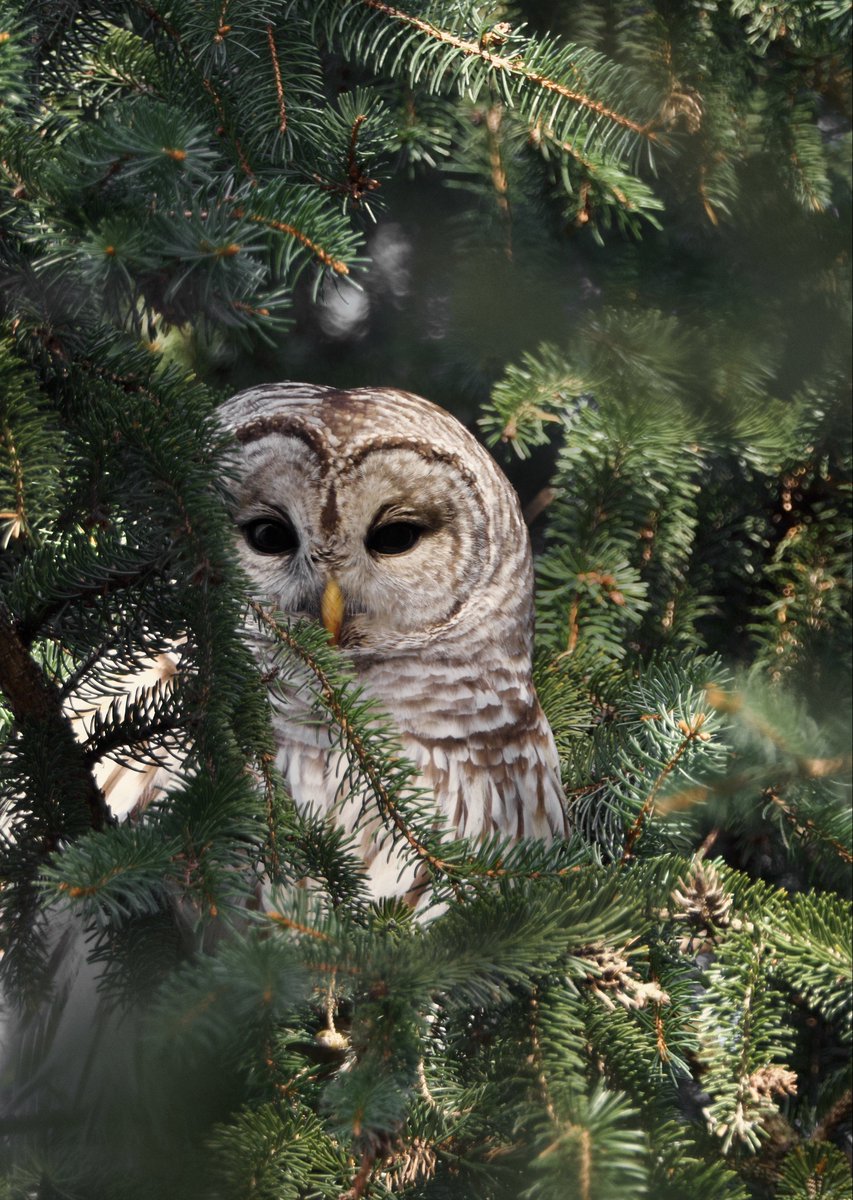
[(201, 999)]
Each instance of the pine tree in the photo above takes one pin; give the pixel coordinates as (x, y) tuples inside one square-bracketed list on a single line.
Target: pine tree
[(660, 1005)]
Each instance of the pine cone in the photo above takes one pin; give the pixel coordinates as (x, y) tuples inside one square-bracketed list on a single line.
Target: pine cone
[(703, 902), (613, 978)]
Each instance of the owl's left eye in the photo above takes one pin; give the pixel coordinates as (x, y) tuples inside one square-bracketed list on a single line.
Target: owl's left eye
[(394, 538), (270, 537)]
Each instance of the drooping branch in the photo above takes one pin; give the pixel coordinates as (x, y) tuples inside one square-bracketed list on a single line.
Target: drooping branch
[(33, 701), (511, 66)]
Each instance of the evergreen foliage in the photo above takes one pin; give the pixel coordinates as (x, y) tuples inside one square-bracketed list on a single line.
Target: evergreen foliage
[(661, 1005)]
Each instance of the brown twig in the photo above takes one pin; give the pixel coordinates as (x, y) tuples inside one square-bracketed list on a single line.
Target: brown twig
[(540, 133), (536, 1059), (805, 826), (359, 1184), (494, 121), (283, 227), (297, 926), (692, 732), (511, 66), (837, 1115), (279, 85), (387, 804), (223, 117)]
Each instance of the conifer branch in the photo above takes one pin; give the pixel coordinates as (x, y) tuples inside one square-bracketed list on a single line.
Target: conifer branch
[(509, 66), (279, 85), (324, 256), (32, 701), (500, 186), (218, 104), (538, 1065), (805, 827), (540, 133), (297, 926), (385, 800), (691, 732), (35, 623)]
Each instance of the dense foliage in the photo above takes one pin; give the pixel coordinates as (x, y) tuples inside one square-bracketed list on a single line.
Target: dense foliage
[(661, 1005)]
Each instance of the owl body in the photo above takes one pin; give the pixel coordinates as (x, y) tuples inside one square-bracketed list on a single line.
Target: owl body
[(385, 502)]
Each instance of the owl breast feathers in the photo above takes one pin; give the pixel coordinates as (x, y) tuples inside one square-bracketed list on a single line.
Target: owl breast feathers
[(379, 514)]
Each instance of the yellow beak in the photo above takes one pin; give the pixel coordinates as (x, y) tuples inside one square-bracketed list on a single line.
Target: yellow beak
[(332, 609)]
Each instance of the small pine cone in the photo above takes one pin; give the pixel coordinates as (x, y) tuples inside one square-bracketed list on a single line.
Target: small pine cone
[(703, 900), (615, 979), (772, 1080), (613, 975), (412, 1163)]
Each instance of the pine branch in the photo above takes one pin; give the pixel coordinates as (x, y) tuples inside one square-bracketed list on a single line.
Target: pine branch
[(34, 703), (511, 66)]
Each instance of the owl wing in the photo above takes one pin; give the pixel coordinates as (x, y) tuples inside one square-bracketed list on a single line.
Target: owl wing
[(496, 783)]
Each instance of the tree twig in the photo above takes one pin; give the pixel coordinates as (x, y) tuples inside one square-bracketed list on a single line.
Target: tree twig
[(33, 703)]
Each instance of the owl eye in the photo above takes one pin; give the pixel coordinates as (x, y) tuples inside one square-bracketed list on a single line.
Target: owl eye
[(270, 537), (394, 538)]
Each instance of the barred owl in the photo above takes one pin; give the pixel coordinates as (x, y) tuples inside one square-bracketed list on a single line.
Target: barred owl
[(379, 514)]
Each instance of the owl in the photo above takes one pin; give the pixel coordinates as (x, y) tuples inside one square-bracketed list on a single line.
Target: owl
[(376, 513)]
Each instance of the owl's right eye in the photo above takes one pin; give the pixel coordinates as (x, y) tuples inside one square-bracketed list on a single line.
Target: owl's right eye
[(270, 537)]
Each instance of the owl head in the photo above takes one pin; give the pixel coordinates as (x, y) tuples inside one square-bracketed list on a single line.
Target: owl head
[(376, 512)]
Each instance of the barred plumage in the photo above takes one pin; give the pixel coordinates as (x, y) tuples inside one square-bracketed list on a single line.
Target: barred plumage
[(385, 503)]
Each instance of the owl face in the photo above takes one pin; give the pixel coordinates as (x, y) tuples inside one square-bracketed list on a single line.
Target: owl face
[(378, 499)]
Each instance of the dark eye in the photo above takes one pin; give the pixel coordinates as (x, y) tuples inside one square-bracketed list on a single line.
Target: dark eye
[(394, 538), (270, 537)]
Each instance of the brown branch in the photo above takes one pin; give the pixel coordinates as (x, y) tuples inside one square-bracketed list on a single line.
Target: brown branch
[(536, 1059), (223, 117), (36, 705), (289, 923), (359, 1184), (574, 627), (512, 66), (353, 170), (692, 732), (279, 85), (538, 133), (283, 227), (386, 802), (804, 827), (160, 20), (837, 1115), (535, 507), (660, 1029), (118, 581), (269, 796), (500, 184)]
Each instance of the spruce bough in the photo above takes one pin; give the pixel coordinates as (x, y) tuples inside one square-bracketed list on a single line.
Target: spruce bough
[(662, 1004)]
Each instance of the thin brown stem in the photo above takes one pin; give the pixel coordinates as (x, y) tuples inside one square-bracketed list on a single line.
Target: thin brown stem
[(386, 801), (634, 832), (279, 84), (284, 227), (510, 66)]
